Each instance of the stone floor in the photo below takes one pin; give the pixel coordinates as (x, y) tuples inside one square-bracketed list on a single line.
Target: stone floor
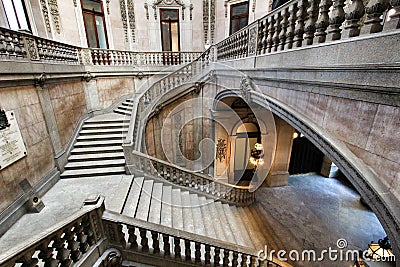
[(314, 212)]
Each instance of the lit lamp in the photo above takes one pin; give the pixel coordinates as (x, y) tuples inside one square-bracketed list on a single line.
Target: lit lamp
[(257, 154), (382, 250)]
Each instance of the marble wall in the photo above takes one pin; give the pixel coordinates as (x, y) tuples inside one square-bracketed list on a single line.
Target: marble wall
[(25, 103), (111, 89)]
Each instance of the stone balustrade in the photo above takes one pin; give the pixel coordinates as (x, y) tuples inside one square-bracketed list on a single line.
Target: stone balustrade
[(168, 245), (62, 245), (144, 164), (302, 23)]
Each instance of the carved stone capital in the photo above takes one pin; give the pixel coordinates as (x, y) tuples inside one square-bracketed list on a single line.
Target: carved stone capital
[(87, 77)]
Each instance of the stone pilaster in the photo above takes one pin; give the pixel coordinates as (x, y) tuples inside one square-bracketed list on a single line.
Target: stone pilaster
[(91, 93)]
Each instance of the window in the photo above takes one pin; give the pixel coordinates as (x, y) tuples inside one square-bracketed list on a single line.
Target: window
[(16, 17), (239, 16), (170, 29), (93, 15)]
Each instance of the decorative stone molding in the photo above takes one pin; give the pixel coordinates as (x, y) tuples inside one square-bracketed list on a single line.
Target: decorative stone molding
[(191, 11), (131, 16), (31, 48), (87, 77), (55, 15), (226, 8), (124, 19), (108, 6), (209, 33), (245, 88), (41, 80), (45, 12), (253, 8), (252, 44), (221, 149), (75, 3), (168, 3), (146, 7)]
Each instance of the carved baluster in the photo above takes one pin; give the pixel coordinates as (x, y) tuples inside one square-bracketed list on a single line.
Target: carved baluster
[(235, 258), (309, 28), (271, 30), (188, 255), (27, 259), (217, 256), (277, 27), (16, 44), (291, 27), (244, 261), (88, 231), (81, 237), (323, 21), (353, 15), (207, 254), (8, 41), (73, 245), (285, 24), (299, 30), (261, 33), (177, 248), (336, 20), (374, 10), (63, 254), (167, 245), (46, 254), (197, 252), (144, 242), (225, 259), (156, 242), (394, 22), (132, 239)]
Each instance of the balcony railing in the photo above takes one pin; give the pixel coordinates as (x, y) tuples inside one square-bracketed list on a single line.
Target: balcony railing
[(302, 23), (19, 46)]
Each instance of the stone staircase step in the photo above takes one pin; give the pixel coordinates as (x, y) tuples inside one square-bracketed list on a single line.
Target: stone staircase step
[(95, 164), (188, 224), (98, 143), (132, 200), (166, 206), (129, 100), (240, 226), (127, 108), (96, 150), (104, 131), (102, 137), (107, 118), (99, 125), (210, 222), (255, 233), (127, 104), (117, 201), (177, 211), (197, 216), (226, 229), (93, 172), (155, 204), (96, 156), (268, 238), (122, 112), (142, 211), (235, 228)]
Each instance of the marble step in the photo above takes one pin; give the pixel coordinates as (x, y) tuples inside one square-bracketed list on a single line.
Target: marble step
[(107, 119), (238, 227), (116, 202), (96, 156), (127, 108), (254, 231), (122, 111), (127, 104), (177, 211), (166, 206), (104, 131), (93, 137), (98, 143), (129, 100), (95, 164), (155, 205), (218, 222), (198, 218), (188, 223), (143, 209), (229, 237), (96, 150), (132, 201), (207, 217), (76, 173), (111, 125)]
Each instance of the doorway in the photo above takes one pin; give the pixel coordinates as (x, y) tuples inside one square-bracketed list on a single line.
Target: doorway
[(247, 135)]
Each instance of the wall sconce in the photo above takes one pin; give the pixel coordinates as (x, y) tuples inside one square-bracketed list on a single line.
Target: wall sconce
[(257, 154)]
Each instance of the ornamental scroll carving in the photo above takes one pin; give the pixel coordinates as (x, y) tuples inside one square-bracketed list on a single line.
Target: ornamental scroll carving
[(221, 149), (131, 16), (32, 50), (167, 3), (252, 45), (45, 12), (124, 19)]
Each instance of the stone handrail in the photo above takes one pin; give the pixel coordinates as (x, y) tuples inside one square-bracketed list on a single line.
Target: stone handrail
[(69, 240), (302, 23), (227, 193), (177, 245)]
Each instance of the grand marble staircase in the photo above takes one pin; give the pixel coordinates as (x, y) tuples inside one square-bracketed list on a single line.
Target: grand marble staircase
[(98, 148)]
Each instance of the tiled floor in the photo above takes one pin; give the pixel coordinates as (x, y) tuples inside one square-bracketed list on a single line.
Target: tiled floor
[(313, 212)]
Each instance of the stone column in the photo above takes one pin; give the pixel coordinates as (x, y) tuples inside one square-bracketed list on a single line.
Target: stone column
[(279, 175), (328, 168)]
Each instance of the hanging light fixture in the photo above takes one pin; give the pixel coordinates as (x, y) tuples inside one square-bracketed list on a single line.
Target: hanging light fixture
[(257, 154), (381, 250)]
